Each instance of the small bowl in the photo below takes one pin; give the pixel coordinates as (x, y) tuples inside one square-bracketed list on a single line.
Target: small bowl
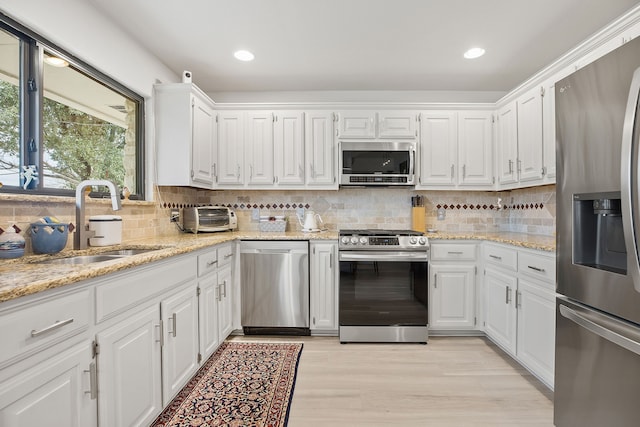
[(49, 238)]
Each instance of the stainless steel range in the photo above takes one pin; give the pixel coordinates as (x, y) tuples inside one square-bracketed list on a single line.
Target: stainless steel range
[(383, 286)]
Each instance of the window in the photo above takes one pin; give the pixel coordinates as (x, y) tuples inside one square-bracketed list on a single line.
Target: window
[(62, 122)]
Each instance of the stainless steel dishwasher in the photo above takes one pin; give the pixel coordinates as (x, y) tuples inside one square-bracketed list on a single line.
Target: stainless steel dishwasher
[(275, 287)]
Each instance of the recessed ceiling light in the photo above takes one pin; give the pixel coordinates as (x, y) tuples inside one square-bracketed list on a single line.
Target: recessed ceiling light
[(55, 61), (474, 52), (244, 55)]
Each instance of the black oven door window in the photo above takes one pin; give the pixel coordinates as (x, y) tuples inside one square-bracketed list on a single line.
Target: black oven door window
[(368, 162), (379, 293)]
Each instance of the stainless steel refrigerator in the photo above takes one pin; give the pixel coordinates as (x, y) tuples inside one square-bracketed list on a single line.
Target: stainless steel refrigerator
[(597, 378)]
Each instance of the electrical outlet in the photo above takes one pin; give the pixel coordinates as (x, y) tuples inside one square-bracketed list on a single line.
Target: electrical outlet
[(255, 214), (300, 212), (175, 215), (442, 213)]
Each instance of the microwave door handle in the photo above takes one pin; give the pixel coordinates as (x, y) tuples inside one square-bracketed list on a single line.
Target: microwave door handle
[(629, 183), (413, 162)]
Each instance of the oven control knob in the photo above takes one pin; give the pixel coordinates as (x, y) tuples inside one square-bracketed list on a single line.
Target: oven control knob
[(363, 240), (354, 240), (413, 240), (345, 240), (422, 241)]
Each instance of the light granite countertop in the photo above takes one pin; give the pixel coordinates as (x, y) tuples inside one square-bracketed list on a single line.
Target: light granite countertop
[(531, 241), (27, 275)]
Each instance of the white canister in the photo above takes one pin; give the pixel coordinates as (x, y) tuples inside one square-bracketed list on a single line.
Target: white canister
[(107, 228)]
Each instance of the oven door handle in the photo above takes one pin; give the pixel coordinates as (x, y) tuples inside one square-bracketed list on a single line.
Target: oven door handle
[(383, 256)]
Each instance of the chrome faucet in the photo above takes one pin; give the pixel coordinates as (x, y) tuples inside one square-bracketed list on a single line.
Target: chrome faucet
[(82, 234)]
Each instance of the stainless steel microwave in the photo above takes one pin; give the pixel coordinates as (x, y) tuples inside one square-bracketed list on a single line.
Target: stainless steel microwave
[(377, 163)]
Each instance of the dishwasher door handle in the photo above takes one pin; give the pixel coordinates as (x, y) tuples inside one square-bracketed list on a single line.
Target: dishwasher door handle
[(273, 251)]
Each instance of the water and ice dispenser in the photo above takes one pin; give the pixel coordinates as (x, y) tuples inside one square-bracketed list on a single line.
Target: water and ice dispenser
[(598, 237)]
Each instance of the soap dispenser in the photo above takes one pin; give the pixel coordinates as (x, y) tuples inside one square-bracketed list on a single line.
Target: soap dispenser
[(11, 242)]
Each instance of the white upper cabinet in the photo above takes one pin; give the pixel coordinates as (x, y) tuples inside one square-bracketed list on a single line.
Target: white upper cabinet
[(230, 148), (356, 124), (320, 151), (455, 150), (289, 148), (530, 135), (438, 148), (185, 136), (549, 131), (372, 124), (507, 144), (525, 139), (475, 148), (258, 144), (204, 141), (397, 124)]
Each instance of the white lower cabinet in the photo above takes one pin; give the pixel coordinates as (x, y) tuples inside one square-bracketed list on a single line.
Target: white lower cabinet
[(519, 298), (225, 302), (53, 393), (208, 314), (452, 286), (130, 371), (115, 350), (500, 315), (215, 302), (323, 287), (452, 296), (180, 343), (536, 328)]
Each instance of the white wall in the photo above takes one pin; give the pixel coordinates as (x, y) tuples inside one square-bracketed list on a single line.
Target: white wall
[(79, 28)]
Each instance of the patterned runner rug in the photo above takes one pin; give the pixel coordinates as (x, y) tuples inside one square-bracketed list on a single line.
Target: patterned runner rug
[(242, 384)]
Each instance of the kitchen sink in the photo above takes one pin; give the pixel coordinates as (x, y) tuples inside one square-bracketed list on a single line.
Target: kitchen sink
[(82, 259), (129, 252), (105, 256)]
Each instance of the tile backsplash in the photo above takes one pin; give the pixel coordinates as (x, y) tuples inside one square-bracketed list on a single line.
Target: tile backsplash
[(529, 210)]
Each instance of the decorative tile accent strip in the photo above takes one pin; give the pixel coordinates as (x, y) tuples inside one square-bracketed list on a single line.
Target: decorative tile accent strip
[(170, 205), (491, 207)]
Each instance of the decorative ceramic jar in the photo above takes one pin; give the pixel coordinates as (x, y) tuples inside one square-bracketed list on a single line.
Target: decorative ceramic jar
[(49, 238), (11, 242)]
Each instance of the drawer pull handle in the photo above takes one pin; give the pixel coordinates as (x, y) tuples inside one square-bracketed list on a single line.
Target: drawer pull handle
[(211, 263), (541, 270), (58, 324), (455, 252), (228, 256), (499, 258)]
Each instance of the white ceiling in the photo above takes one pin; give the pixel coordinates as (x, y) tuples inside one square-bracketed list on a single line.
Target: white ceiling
[(367, 45)]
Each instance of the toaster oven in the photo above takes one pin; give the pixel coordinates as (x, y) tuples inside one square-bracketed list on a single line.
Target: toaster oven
[(207, 219)]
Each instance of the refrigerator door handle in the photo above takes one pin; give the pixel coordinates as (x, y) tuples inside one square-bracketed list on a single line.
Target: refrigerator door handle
[(592, 325), (629, 185)]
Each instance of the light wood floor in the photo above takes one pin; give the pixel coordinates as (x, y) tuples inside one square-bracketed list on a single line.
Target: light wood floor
[(452, 381)]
